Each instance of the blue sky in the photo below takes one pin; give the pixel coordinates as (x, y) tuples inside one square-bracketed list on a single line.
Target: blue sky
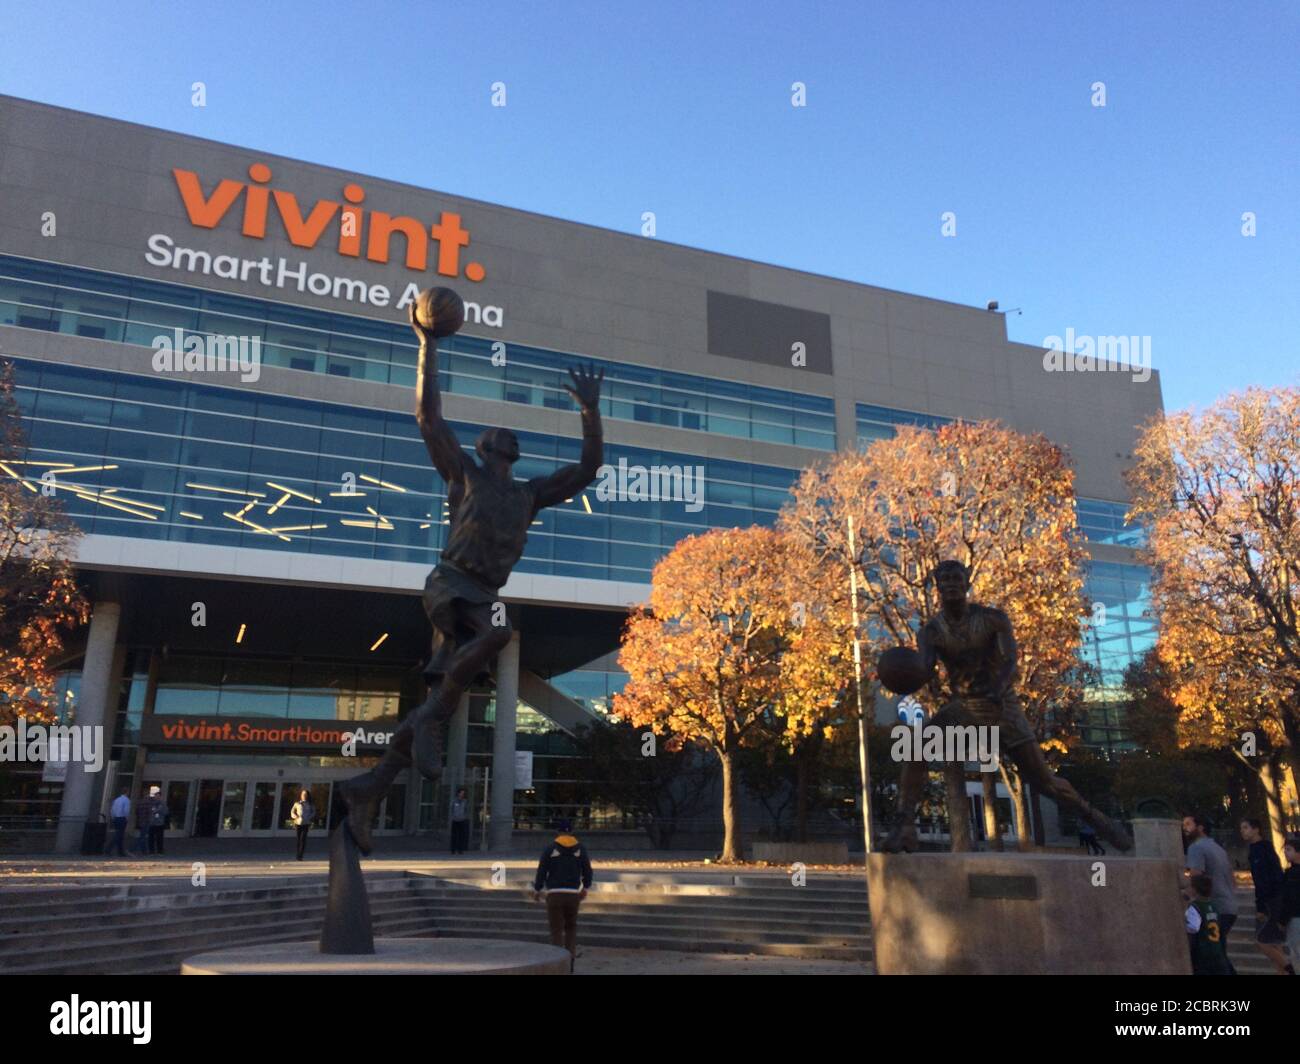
[(1117, 220)]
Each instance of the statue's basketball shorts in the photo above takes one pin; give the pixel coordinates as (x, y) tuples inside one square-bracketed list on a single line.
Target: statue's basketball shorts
[(1006, 715), (447, 590)]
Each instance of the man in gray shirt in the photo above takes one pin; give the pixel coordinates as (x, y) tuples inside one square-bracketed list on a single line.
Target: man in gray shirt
[(1206, 855)]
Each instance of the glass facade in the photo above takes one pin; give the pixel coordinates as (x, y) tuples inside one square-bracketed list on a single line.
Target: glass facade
[(104, 306), (1119, 633), (248, 687), (1103, 522), (594, 688), (879, 422), (154, 458)]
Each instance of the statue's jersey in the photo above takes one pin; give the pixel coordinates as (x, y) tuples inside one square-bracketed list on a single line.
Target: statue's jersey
[(489, 524), (969, 649)]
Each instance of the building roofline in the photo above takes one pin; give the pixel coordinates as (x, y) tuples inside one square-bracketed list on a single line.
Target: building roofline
[(602, 230)]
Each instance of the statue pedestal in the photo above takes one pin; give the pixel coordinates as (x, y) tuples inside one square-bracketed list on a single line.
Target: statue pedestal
[(392, 956), (1025, 914)]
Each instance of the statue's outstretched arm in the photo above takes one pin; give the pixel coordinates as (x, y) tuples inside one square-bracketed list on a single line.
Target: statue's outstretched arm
[(439, 440), (566, 481)]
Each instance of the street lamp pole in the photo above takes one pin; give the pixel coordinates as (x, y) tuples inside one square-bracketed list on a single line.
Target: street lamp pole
[(864, 764)]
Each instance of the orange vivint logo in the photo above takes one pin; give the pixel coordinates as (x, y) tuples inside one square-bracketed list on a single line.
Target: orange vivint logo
[(207, 211)]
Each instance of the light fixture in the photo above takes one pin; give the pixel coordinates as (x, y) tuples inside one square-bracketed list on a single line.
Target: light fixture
[(240, 637), (378, 642), (383, 483), (228, 491)]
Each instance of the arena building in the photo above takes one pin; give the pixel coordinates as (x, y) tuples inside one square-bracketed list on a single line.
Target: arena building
[(215, 373)]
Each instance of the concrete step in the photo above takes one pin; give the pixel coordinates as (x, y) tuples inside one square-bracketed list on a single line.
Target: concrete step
[(811, 923), (17, 935), (106, 952), (150, 961), (158, 909)]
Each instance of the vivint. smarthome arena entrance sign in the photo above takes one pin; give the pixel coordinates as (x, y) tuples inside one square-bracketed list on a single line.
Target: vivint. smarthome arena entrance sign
[(354, 231)]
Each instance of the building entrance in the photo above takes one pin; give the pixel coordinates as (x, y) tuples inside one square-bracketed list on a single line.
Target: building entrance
[(254, 801)]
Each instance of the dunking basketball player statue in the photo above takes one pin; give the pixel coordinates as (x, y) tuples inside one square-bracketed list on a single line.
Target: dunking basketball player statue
[(490, 515), (978, 649)]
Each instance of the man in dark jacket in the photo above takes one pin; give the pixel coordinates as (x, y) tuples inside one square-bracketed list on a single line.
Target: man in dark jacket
[(1266, 874), (564, 874), (144, 811)]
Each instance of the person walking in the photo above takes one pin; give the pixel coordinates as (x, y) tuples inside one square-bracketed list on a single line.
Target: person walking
[(564, 875), (460, 821), (1289, 909), (302, 815), (120, 812), (144, 821), (1266, 874), (157, 821), (1207, 856)]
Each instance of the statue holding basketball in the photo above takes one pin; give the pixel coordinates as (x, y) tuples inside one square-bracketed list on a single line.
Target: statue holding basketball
[(490, 513), (977, 647)]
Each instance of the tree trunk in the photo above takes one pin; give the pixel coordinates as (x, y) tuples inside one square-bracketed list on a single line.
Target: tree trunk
[(732, 847), (954, 778), (1271, 780), (991, 832), (1024, 825), (801, 792)]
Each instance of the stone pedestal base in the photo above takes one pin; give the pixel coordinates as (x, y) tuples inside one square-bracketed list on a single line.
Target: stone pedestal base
[(392, 956), (1025, 914)]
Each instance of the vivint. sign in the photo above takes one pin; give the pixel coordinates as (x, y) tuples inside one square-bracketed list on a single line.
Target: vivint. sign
[(355, 233)]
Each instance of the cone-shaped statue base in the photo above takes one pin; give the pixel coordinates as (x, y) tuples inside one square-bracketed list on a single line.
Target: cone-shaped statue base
[(347, 911)]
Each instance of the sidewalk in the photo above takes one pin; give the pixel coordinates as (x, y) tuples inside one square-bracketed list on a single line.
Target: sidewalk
[(602, 961), (518, 867)]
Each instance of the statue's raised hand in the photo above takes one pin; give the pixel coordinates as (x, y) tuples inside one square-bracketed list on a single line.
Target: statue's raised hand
[(426, 336), (585, 388)]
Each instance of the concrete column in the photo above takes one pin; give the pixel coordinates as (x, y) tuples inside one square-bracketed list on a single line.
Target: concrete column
[(96, 709), (457, 752), (503, 747)]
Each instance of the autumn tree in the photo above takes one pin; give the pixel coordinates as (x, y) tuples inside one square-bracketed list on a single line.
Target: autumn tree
[(1219, 491), (40, 602), (727, 647), (1000, 502)]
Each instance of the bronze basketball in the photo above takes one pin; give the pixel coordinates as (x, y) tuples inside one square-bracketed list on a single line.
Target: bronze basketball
[(902, 670), (440, 310)]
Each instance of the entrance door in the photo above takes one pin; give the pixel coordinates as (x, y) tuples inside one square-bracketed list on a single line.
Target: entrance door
[(234, 796), (207, 810)]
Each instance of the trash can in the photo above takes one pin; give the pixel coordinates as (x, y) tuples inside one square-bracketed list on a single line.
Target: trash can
[(94, 837)]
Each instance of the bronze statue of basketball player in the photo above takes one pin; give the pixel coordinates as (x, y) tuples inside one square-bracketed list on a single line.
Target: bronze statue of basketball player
[(978, 649), (490, 514)]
